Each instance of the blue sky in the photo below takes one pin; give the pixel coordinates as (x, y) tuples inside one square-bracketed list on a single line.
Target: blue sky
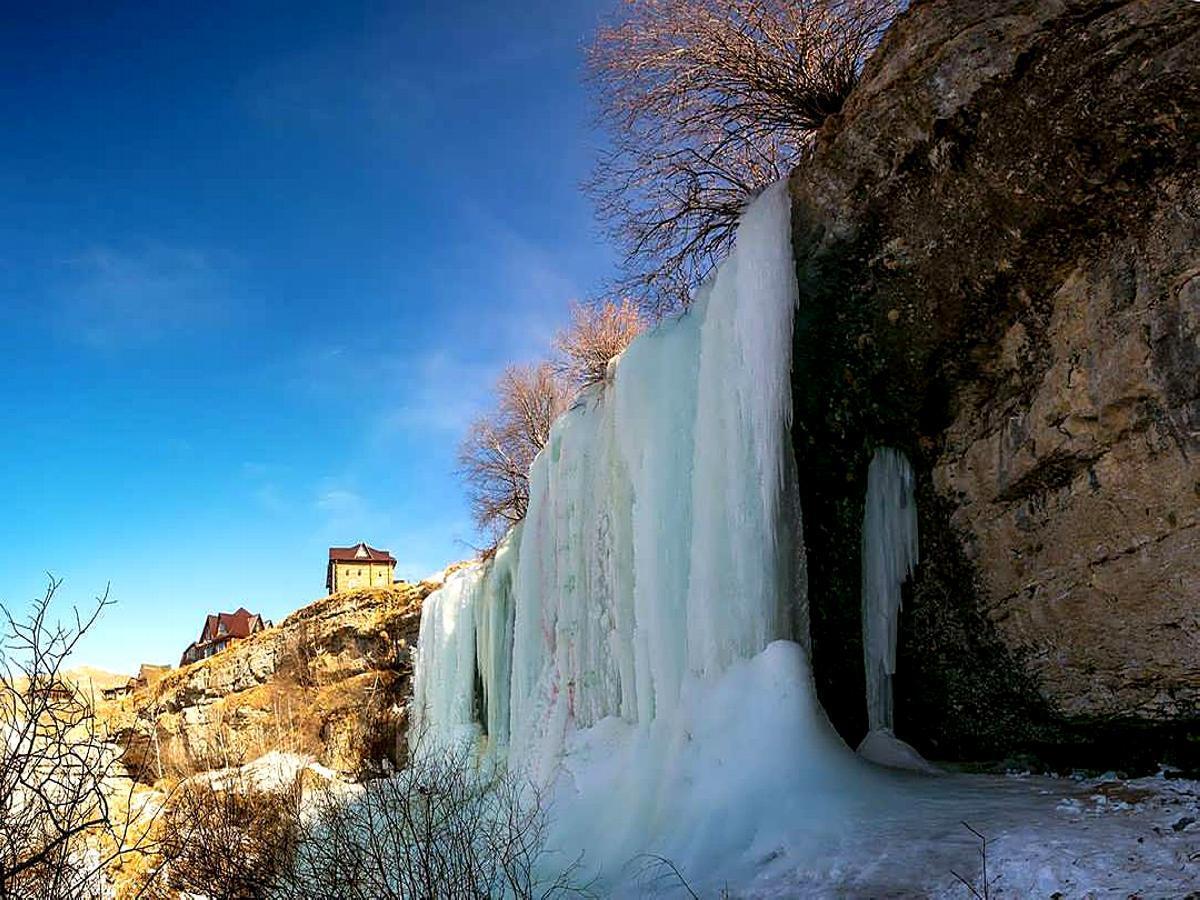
[(259, 263)]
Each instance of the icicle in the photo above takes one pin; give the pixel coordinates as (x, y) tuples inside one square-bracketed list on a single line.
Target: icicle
[(656, 543), (889, 557)]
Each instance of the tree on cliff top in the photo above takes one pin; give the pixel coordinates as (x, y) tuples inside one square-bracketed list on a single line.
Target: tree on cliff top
[(495, 456), (597, 333), (707, 102)]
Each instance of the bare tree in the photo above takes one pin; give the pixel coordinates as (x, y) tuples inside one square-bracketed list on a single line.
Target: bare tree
[(597, 333), (67, 813), (495, 456), (707, 102)]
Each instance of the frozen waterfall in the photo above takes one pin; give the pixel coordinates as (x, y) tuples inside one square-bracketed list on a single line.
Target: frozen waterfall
[(638, 640), (637, 645)]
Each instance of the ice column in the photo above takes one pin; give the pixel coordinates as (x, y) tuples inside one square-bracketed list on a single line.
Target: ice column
[(889, 556)]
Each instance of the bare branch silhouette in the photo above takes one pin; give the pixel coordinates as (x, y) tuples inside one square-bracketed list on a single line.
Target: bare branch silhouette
[(706, 102)]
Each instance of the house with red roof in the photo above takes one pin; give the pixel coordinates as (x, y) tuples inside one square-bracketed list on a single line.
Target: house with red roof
[(220, 630), (359, 566)]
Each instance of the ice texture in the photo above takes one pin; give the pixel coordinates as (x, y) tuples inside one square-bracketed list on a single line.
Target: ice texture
[(637, 645), (889, 557)]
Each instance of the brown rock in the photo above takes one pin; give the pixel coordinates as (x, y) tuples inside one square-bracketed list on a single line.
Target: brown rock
[(330, 681), (1024, 176)]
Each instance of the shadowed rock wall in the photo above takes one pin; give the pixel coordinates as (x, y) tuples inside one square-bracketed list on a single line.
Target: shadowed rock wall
[(998, 247)]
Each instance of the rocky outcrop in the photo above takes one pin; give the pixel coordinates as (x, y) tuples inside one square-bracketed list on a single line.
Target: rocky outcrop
[(998, 246), (330, 681)]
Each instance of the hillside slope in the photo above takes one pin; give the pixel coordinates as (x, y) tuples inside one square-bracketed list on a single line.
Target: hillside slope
[(328, 682)]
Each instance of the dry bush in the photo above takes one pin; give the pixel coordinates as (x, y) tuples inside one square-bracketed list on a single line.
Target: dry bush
[(67, 814), (495, 456), (232, 841), (597, 333), (438, 828), (706, 102)]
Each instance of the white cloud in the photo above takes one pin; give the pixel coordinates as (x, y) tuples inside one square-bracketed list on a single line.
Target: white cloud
[(341, 504), (114, 298)]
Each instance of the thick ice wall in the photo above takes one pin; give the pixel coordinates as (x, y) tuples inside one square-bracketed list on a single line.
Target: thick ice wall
[(659, 541)]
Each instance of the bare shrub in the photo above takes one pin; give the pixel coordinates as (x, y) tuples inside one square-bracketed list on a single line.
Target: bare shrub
[(499, 447), (229, 841), (707, 102), (67, 813), (656, 875), (980, 889), (438, 828), (597, 333)]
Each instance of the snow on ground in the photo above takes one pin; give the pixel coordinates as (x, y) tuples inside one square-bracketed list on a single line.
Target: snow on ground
[(1047, 837), (272, 771), (747, 788)]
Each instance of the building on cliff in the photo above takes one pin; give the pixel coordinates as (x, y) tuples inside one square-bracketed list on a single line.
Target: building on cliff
[(146, 676), (220, 631), (117, 691), (359, 566)]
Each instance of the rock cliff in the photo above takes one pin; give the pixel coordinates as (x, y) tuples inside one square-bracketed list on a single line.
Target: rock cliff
[(998, 247), (330, 681)]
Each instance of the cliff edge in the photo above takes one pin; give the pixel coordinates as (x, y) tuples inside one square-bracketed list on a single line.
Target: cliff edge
[(330, 681)]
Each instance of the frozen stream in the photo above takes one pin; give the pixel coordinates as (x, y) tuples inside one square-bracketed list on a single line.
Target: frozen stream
[(1046, 837)]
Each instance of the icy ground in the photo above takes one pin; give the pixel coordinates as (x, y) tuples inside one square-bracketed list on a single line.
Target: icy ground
[(1047, 837), (746, 788)]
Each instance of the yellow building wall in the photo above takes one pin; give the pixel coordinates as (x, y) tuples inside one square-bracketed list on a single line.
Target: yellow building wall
[(348, 576)]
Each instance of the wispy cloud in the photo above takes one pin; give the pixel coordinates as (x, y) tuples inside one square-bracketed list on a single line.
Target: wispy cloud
[(534, 285), (264, 484), (333, 87), (118, 298), (342, 505), (437, 390), (442, 393)]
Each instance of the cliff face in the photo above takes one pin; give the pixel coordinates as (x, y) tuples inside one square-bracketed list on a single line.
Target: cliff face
[(998, 246), (329, 681)]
